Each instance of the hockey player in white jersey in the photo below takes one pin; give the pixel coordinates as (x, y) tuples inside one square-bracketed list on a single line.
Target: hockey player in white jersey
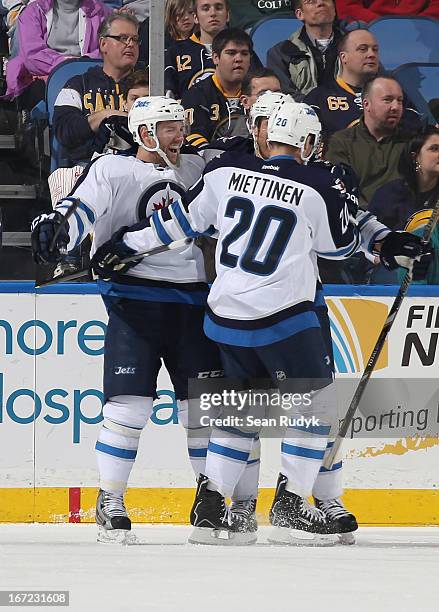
[(328, 486), (155, 311), (272, 217)]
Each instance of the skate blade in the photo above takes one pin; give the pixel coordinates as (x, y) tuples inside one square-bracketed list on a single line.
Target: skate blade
[(346, 539), (116, 536), (297, 537), (220, 537)]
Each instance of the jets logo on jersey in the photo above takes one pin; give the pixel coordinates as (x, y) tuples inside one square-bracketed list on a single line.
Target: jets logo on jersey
[(157, 196)]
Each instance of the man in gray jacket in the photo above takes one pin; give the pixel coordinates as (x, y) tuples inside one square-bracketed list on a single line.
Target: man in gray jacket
[(309, 57)]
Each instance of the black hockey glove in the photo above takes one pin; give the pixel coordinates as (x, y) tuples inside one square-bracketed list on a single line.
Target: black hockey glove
[(44, 228), (398, 249), (115, 125), (107, 263), (346, 181)]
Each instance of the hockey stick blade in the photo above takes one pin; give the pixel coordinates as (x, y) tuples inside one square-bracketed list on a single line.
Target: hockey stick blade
[(86, 271), (331, 456)]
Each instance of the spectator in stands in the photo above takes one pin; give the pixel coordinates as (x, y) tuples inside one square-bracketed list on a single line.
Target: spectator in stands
[(179, 20), (12, 8), (49, 31), (213, 105), (373, 146), (339, 103), (87, 100), (190, 60), (254, 84), (368, 10), (417, 188), (245, 14), (113, 135), (257, 82), (309, 58)]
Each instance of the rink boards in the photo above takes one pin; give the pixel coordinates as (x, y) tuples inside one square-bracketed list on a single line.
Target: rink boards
[(51, 347)]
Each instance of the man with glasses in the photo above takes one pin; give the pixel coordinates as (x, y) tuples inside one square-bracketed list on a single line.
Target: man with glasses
[(87, 100), (309, 57)]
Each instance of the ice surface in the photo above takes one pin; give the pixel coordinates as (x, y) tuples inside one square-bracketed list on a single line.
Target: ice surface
[(389, 569)]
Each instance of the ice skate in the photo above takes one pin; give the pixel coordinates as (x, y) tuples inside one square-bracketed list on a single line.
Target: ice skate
[(112, 519), (211, 520), (296, 522), (340, 520), (243, 519)]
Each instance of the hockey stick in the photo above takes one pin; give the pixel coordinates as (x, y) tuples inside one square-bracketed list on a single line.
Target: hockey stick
[(86, 271), (330, 458)]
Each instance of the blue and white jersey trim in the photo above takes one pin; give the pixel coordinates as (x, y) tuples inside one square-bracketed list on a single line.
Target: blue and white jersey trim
[(80, 222), (260, 337), (152, 294)]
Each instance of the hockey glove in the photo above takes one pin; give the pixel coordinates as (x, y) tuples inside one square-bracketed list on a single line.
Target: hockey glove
[(399, 249), (44, 228), (346, 181), (107, 263)]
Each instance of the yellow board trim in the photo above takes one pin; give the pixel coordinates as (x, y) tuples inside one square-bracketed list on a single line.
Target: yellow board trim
[(391, 507)]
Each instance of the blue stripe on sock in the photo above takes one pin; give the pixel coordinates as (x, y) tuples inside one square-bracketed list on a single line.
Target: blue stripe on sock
[(238, 432), (299, 451), (197, 452), (253, 461), (123, 453), (319, 430), (336, 466), (228, 452)]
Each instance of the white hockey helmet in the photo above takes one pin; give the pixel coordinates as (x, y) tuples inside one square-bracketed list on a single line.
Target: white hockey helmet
[(148, 111), (264, 105), (291, 123)]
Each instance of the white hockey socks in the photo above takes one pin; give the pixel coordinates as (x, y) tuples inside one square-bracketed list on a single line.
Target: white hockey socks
[(247, 486), (304, 445), (125, 416), (227, 457), (197, 439), (329, 483)]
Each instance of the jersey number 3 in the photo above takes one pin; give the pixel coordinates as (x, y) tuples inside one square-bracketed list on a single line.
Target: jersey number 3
[(270, 250)]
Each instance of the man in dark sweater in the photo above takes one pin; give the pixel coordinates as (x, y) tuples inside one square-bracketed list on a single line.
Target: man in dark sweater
[(309, 57), (87, 100), (373, 146)]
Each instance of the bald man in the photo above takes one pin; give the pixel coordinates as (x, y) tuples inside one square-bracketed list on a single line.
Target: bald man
[(374, 145), (339, 103)]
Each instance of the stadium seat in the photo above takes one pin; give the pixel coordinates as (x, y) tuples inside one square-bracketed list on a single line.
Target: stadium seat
[(270, 31), (421, 83), (406, 39), (45, 109)]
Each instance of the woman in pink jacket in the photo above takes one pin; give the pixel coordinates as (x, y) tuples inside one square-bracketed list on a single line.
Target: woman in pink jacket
[(49, 32)]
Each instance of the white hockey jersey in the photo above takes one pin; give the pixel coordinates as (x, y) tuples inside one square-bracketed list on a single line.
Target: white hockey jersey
[(272, 218), (118, 191)]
